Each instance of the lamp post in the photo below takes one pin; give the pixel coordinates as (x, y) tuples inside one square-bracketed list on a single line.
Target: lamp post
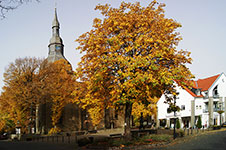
[(18, 130), (175, 108), (174, 111), (220, 111)]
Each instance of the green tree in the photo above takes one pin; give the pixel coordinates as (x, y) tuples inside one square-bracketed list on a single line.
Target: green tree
[(178, 124), (130, 57), (199, 123)]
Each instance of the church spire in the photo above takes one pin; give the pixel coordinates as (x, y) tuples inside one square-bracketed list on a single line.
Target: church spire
[(56, 47), (55, 21)]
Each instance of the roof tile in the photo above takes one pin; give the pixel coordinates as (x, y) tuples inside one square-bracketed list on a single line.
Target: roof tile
[(204, 84)]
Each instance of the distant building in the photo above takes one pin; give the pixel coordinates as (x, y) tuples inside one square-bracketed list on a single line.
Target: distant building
[(206, 99)]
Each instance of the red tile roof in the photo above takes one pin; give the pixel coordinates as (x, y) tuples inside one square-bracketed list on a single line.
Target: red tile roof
[(204, 84)]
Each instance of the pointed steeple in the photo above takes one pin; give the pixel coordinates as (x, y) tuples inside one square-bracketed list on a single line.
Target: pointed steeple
[(55, 21), (56, 47)]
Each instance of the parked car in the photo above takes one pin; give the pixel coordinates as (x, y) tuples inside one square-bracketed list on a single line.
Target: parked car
[(223, 124)]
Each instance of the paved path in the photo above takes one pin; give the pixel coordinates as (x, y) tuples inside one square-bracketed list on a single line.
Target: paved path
[(18, 145), (210, 141)]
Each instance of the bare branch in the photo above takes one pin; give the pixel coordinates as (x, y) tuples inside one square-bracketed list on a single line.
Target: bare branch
[(7, 5)]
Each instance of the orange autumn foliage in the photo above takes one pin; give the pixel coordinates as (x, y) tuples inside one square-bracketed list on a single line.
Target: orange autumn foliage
[(20, 92), (59, 81), (130, 57), (30, 82)]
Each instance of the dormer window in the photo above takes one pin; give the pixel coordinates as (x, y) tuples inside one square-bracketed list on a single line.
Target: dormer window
[(215, 91), (196, 91)]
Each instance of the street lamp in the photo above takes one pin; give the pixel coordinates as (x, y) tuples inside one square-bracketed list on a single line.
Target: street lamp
[(174, 111), (220, 111), (173, 108), (18, 130)]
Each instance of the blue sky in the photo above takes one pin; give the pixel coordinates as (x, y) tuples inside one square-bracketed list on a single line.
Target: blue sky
[(26, 31)]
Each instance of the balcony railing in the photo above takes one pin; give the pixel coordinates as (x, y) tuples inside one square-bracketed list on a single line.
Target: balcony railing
[(216, 96), (214, 109), (205, 111), (206, 97)]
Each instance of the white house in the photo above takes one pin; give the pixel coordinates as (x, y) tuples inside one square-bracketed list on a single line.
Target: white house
[(205, 99)]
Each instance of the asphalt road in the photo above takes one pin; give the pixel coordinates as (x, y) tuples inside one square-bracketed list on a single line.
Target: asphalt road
[(18, 145), (210, 141)]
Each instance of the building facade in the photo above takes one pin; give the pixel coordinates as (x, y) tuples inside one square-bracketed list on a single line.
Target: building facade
[(207, 99)]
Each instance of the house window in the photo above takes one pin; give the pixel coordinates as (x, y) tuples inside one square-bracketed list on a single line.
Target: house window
[(182, 107), (206, 94), (200, 107), (197, 107), (215, 91)]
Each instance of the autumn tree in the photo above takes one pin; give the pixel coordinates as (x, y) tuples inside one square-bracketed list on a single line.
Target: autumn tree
[(130, 57), (20, 92), (57, 82), (30, 82), (7, 5), (5, 123)]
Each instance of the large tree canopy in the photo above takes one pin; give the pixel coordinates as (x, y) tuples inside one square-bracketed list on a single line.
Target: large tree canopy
[(20, 92), (130, 56), (57, 82), (30, 82)]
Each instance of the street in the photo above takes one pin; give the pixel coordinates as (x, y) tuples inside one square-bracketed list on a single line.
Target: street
[(18, 145), (209, 141), (214, 140)]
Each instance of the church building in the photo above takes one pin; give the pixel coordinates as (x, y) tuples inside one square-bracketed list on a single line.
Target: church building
[(73, 118)]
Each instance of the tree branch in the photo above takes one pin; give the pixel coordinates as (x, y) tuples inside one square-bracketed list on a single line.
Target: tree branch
[(7, 5)]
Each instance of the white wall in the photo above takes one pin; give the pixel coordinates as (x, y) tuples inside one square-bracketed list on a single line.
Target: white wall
[(221, 82), (199, 106), (184, 98)]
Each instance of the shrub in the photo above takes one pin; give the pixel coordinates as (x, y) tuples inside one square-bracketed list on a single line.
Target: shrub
[(121, 142), (54, 130), (178, 124), (215, 127), (157, 137), (199, 123), (180, 133)]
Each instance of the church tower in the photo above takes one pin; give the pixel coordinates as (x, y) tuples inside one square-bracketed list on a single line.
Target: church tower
[(56, 47)]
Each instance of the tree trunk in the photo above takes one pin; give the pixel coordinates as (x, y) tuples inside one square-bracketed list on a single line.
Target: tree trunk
[(127, 129), (107, 119)]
